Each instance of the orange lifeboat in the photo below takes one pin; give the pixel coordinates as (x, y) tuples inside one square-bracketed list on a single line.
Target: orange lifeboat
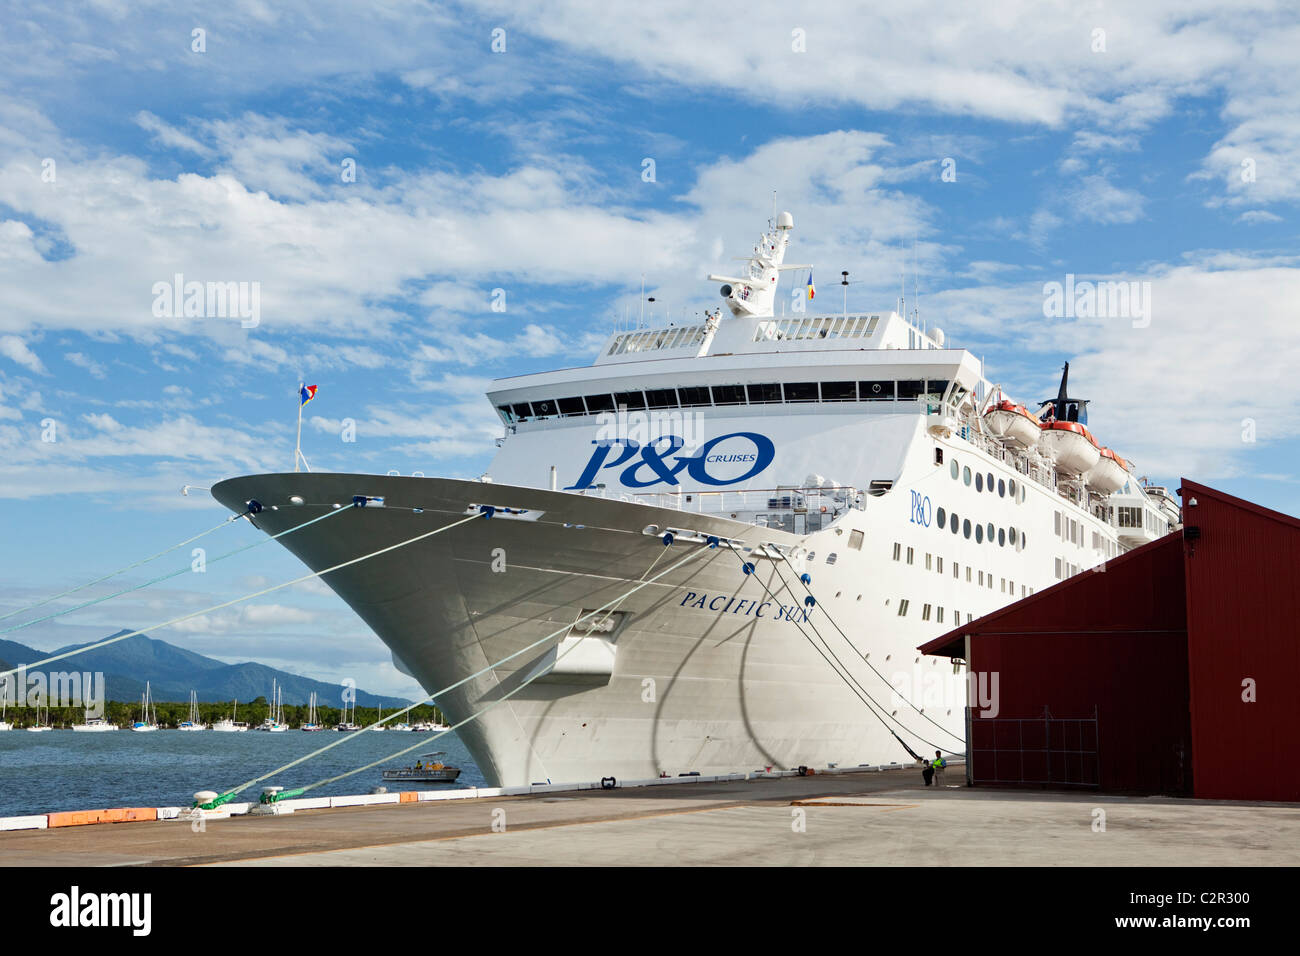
[(1012, 423), (1070, 445), (1109, 474)]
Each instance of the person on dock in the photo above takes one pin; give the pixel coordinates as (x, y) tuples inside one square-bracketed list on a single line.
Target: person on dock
[(927, 773), (937, 765)]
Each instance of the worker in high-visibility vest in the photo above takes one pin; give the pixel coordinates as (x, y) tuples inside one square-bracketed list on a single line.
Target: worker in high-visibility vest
[(938, 763)]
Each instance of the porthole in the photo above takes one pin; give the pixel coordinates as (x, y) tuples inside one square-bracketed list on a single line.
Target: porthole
[(979, 534), (1011, 535), (952, 522), (943, 518), (953, 469), (990, 532), (1002, 541), (979, 481), (965, 528), (1002, 488), (1022, 540), (1011, 487), (989, 479), (965, 475)]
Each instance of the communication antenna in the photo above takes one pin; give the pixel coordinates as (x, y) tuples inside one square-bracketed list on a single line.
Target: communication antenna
[(641, 321)]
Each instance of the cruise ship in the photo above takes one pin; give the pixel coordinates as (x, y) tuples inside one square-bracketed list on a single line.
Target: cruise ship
[(825, 492)]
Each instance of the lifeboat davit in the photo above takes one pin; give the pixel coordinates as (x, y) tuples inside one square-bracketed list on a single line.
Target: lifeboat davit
[(1109, 474), (1070, 445), (1011, 422)]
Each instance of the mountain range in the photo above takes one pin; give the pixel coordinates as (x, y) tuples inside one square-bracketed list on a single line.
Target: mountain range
[(173, 672)]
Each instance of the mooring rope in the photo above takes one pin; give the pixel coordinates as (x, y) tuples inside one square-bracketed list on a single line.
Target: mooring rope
[(849, 680), (644, 582), (854, 646), (248, 597), (172, 574), (113, 574)]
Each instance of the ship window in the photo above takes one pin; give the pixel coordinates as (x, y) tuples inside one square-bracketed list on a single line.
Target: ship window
[(953, 469), (694, 395), (600, 403), (1002, 488), (979, 534), (1056, 523), (990, 532), (728, 395), (965, 530), (521, 410), (876, 391), (938, 614), (661, 397), (936, 389), (952, 522), (979, 481), (925, 612), (764, 393), (942, 518), (910, 554), (572, 406), (898, 550), (1058, 569), (939, 564), (1022, 540), (629, 399), (956, 570), (910, 389), (929, 561), (902, 608), (544, 409), (839, 391), (1002, 538), (968, 574), (981, 579), (855, 540), (965, 475), (830, 558), (801, 391), (989, 480)]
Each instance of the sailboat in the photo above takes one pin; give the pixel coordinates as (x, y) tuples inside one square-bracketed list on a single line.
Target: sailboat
[(38, 727), (274, 722), (228, 725), (193, 722), (311, 716), (380, 717), (94, 725), (4, 705), (148, 721), (349, 724)]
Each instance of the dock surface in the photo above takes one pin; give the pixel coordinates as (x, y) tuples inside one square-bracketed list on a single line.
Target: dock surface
[(851, 819)]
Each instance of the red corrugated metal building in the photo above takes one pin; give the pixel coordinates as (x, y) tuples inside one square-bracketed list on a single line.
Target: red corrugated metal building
[(1166, 670)]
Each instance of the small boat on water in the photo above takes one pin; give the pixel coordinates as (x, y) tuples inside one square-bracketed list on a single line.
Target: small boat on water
[(39, 727), (378, 727), (424, 771), (312, 722), (274, 722), (148, 721), (348, 723), (228, 725), (193, 722), (94, 725), (4, 705)]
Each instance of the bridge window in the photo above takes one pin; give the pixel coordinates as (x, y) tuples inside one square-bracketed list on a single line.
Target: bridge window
[(600, 403), (694, 395), (572, 406), (544, 409), (763, 394), (728, 394), (910, 389), (630, 399), (876, 391), (839, 391), (661, 398), (801, 391)]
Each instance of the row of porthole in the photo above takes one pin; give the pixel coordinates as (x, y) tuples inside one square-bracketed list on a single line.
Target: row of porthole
[(981, 479), (1004, 535)]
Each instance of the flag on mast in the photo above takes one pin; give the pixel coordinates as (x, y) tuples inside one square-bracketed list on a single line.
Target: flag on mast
[(306, 394), (812, 292)]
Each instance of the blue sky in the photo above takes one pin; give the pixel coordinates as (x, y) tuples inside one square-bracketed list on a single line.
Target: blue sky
[(1117, 155)]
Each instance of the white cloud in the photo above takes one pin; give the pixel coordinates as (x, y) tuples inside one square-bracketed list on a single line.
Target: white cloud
[(15, 349)]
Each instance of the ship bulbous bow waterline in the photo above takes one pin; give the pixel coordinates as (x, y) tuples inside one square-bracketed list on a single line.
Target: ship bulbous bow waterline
[(708, 669)]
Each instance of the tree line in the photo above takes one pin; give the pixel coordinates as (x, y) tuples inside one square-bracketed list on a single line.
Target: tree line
[(253, 712)]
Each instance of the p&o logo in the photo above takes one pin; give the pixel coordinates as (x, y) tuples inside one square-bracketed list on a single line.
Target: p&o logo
[(724, 460)]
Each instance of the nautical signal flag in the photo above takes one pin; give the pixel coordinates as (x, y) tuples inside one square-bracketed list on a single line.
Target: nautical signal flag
[(306, 395), (812, 292)]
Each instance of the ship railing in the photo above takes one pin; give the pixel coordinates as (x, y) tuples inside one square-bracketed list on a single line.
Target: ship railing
[(755, 501)]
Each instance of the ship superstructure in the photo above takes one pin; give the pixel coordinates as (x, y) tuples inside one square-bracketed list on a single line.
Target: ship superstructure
[(854, 457)]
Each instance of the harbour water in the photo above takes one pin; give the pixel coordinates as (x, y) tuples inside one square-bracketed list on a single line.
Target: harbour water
[(62, 770)]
